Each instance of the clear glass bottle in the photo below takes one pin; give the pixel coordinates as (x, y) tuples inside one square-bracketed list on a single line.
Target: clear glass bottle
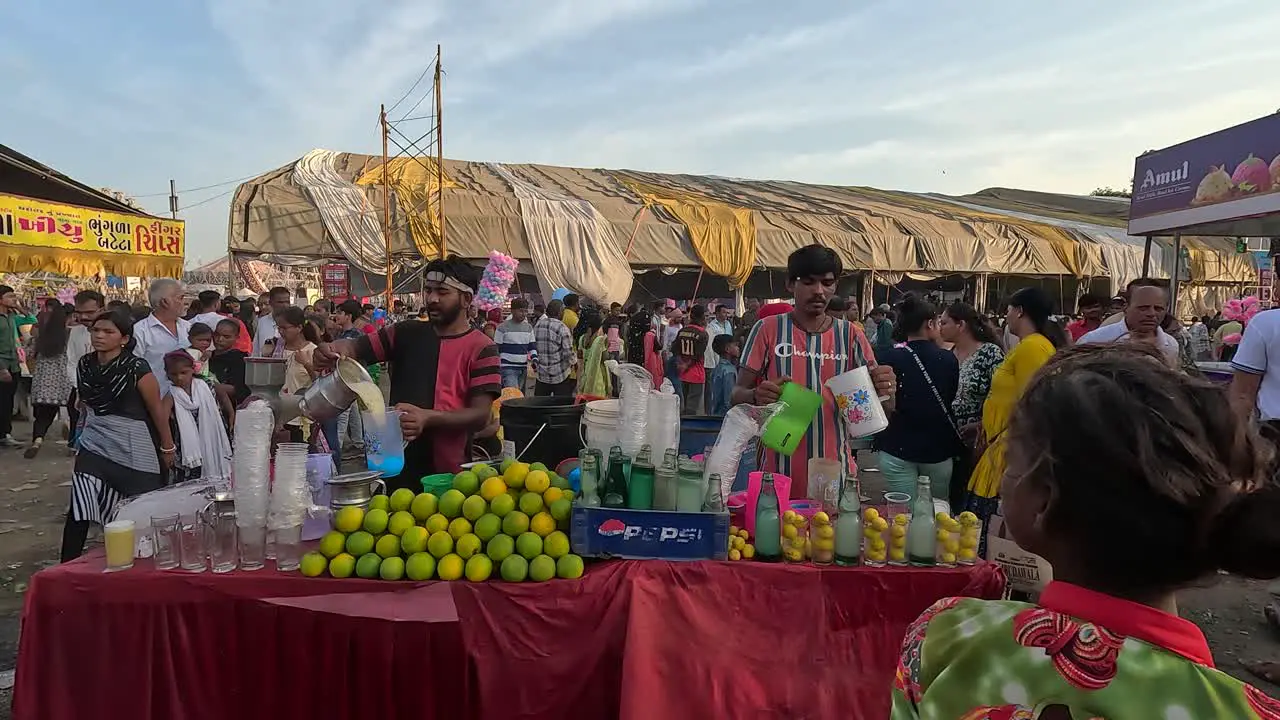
[(664, 482), (922, 532), (849, 525), (768, 535), (715, 497), (614, 494), (589, 478), (640, 484)]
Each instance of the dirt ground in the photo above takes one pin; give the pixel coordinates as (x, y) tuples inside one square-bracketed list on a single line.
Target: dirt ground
[(34, 493)]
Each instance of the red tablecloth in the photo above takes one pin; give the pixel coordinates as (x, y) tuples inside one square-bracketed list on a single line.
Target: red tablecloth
[(630, 640)]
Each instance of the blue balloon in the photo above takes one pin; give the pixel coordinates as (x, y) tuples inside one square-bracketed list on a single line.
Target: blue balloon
[(379, 314), (559, 294)]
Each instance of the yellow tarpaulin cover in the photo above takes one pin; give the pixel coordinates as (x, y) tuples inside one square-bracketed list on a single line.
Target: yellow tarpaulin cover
[(723, 236), (414, 180)]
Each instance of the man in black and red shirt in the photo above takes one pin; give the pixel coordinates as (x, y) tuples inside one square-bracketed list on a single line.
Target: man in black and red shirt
[(444, 373)]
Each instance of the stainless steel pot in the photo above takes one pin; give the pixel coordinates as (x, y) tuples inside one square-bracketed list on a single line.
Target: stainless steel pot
[(354, 489)]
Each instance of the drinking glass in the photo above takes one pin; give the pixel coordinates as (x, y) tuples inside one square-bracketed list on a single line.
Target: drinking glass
[(288, 548), (191, 544), (121, 544), (253, 547), (898, 512), (165, 541)]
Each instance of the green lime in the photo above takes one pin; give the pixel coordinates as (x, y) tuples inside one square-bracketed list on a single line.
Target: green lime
[(368, 564), (487, 526), (514, 568), (500, 547), (529, 545), (392, 568), (375, 522), (359, 543), (387, 546), (515, 523), (420, 566), (569, 567), (542, 568)]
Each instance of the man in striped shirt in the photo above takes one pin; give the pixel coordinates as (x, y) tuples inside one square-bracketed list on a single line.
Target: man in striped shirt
[(809, 347), (516, 346), (444, 374)]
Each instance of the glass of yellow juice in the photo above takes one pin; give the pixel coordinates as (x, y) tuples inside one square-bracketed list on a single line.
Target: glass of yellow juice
[(121, 541)]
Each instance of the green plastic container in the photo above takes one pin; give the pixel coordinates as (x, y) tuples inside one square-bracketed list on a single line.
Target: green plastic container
[(437, 484), (785, 430)]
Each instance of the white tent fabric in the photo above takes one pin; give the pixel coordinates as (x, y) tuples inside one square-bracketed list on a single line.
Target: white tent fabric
[(348, 216), (571, 244)]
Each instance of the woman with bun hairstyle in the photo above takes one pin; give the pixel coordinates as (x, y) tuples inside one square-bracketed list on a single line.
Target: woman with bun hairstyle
[(1133, 480), (1039, 338)]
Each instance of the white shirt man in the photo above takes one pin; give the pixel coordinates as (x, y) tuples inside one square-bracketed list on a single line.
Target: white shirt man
[(155, 341), (716, 327), (78, 345), (1254, 360), (1119, 332), (266, 331)]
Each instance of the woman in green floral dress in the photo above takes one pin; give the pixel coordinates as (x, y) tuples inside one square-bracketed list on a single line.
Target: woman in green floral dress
[(1133, 480)]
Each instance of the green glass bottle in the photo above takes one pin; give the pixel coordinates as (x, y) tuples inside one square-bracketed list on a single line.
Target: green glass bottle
[(640, 484), (768, 535), (614, 494)]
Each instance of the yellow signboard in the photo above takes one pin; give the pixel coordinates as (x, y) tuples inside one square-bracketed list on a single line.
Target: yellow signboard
[(38, 223)]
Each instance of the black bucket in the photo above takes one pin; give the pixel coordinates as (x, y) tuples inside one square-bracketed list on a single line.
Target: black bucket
[(543, 429)]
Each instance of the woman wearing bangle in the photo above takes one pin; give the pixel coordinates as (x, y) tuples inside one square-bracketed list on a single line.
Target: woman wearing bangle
[(126, 446)]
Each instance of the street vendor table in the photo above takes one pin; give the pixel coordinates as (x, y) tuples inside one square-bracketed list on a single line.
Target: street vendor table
[(631, 639)]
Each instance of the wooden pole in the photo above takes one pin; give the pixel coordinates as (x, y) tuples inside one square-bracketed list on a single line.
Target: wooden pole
[(440, 151), (386, 203), (1146, 258), (1175, 275)]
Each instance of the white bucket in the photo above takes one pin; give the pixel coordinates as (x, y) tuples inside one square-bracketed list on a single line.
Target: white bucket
[(600, 425)]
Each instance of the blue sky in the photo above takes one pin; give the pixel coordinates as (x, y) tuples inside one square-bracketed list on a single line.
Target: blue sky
[(930, 95)]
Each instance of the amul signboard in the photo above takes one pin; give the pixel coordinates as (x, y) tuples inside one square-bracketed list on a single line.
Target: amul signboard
[(1233, 173)]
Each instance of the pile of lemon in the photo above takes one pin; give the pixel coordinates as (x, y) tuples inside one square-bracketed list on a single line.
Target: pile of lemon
[(514, 519), (739, 548)]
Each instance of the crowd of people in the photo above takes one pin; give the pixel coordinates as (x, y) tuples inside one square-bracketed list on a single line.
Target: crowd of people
[(1031, 417)]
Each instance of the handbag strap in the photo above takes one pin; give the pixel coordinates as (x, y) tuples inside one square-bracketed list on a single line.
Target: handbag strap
[(936, 395)]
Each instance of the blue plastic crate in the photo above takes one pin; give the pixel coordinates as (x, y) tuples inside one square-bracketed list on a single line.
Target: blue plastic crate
[(649, 534)]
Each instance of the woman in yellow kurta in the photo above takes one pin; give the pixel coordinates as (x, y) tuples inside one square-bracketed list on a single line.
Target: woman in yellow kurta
[(1039, 338)]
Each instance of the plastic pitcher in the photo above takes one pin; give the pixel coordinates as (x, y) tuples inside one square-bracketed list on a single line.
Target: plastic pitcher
[(784, 431), (383, 443)]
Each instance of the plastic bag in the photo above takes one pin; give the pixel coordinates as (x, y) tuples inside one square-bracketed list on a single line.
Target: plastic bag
[(742, 424), (633, 407)]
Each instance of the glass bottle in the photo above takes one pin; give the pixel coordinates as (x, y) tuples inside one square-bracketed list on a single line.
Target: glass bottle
[(689, 488), (768, 536), (664, 482), (922, 533), (589, 479), (614, 494), (640, 486), (715, 497), (849, 525)]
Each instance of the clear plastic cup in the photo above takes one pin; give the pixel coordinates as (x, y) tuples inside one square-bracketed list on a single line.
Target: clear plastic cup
[(192, 554), (288, 548), (253, 546), (121, 543), (165, 541)]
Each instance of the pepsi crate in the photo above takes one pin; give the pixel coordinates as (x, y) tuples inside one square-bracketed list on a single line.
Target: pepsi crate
[(649, 534)]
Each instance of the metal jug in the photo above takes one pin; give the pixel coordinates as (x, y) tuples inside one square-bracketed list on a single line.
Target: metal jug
[(328, 396), (219, 520)]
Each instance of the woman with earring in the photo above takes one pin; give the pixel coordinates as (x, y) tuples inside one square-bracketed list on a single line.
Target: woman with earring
[(125, 446)]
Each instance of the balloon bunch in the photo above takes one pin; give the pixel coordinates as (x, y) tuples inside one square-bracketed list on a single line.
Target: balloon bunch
[(498, 276), (1242, 311), (67, 295)]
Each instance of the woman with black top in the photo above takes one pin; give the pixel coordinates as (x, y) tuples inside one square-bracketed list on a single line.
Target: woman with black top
[(50, 383), (921, 438), (125, 447)]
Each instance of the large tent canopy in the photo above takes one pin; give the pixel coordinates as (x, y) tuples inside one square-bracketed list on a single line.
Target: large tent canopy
[(588, 228)]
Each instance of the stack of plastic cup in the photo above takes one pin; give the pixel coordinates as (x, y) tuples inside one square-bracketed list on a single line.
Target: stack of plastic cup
[(290, 500), (663, 423), (633, 407), (319, 470), (251, 481)]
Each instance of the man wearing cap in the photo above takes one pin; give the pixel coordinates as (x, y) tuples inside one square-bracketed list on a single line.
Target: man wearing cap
[(444, 373)]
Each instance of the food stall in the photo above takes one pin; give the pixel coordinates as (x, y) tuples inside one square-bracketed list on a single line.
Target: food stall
[(548, 584)]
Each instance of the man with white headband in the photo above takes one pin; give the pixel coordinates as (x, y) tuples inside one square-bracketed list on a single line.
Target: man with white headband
[(444, 373)]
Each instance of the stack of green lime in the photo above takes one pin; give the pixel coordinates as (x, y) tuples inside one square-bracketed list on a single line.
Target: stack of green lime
[(513, 520)]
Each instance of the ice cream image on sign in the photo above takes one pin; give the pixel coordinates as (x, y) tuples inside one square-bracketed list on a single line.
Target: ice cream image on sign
[(1252, 176), (1275, 172), (1214, 187)]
